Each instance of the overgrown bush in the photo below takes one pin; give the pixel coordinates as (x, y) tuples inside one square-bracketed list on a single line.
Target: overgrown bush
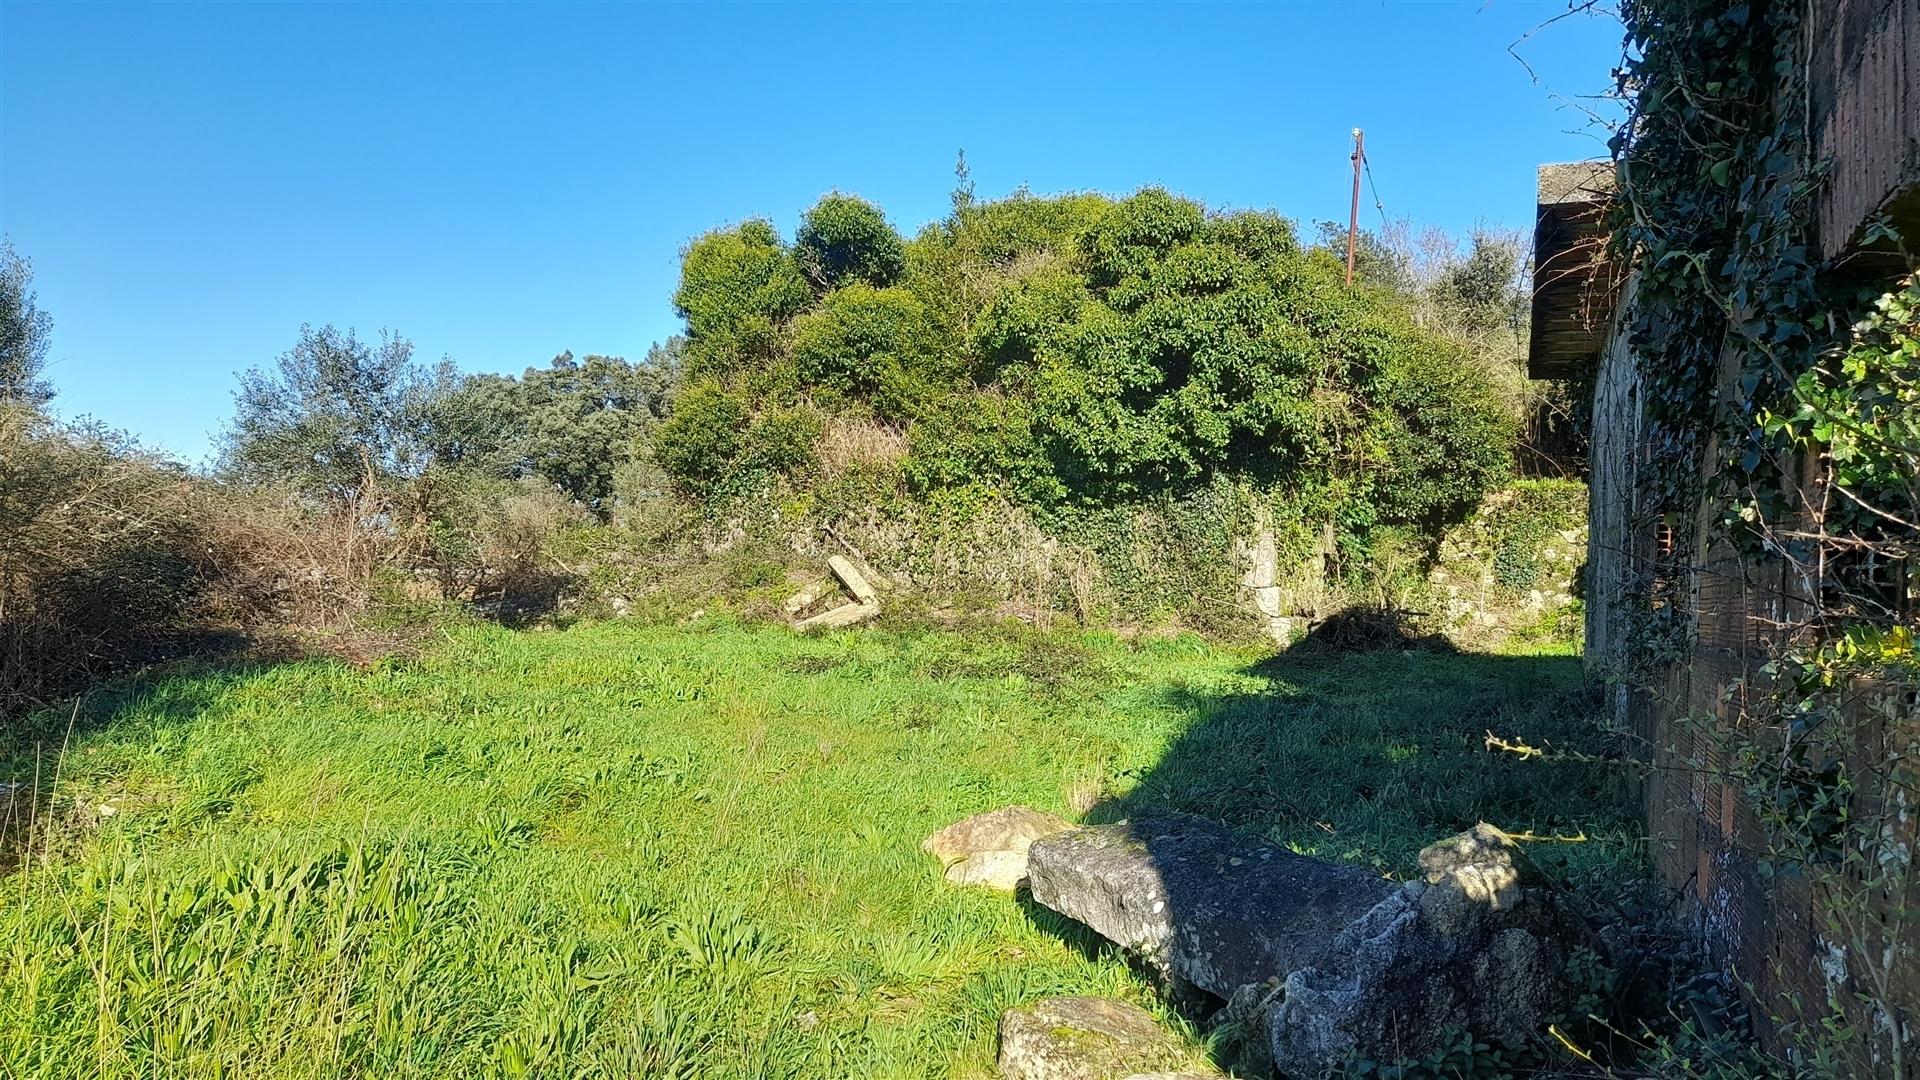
[(99, 553), (111, 556), (1078, 355)]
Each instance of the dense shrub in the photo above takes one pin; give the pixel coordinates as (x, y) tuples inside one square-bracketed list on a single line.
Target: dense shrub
[(738, 287), (111, 556), (872, 345), (1098, 353), (845, 240), (716, 445)]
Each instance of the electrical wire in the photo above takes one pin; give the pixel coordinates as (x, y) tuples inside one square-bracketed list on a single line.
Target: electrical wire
[(1377, 204)]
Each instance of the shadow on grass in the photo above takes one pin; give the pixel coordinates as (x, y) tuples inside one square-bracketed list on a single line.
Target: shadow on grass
[(147, 701), (1368, 757), (1364, 758)]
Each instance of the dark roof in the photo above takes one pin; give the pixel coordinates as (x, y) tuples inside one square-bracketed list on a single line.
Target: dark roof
[(1575, 283)]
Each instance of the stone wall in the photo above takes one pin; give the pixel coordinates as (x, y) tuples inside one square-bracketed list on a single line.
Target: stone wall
[(1513, 568)]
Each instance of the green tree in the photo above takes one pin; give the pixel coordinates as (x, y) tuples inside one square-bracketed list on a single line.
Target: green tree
[(738, 287), (845, 240), (25, 332), (572, 424), (1195, 346), (337, 418), (1375, 259), (1484, 292)]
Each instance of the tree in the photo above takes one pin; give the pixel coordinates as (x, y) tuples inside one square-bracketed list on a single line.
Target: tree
[(573, 424), (738, 287), (1194, 346), (845, 240), (1376, 259), (337, 418), (1483, 292), (962, 196), (25, 332)]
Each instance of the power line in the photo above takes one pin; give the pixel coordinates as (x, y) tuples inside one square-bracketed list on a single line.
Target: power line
[(1377, 204)]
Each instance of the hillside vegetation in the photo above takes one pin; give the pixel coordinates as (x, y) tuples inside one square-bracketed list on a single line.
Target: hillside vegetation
[(1074, 351), (1076, 406)]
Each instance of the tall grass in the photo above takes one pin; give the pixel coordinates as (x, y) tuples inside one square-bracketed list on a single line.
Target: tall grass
[(673, 852)]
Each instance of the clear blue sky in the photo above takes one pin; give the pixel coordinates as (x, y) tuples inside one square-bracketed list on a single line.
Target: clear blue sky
[(503, 182)]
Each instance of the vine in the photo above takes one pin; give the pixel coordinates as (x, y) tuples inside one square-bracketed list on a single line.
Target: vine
[(1781, 432)]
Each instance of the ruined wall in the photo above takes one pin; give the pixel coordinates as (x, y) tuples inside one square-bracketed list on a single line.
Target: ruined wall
[(1776, 927), (1773, 922), (1613, 459)]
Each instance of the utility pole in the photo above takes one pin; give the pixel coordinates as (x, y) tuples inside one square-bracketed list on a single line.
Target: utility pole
[(1353, 217)]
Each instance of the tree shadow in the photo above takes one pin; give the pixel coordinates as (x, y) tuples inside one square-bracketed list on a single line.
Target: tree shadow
[(1369, 756), (146, 701), (1361, 759)]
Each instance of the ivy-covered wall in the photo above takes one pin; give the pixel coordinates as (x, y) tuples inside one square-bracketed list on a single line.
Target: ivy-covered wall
[(1759, 418)]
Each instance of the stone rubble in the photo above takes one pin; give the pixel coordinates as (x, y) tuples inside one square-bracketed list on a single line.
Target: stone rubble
[(1085, 1038), (863, 602), (990, 849), (1321, 961)]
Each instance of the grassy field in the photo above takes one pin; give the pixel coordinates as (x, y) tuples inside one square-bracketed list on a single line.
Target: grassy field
[(628, 851)]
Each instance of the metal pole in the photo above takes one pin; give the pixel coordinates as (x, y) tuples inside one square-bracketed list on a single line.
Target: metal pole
[(1353, 217)]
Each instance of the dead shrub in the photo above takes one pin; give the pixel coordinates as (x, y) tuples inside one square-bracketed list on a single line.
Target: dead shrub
[(275, 558), (111, 557), (849, 445)]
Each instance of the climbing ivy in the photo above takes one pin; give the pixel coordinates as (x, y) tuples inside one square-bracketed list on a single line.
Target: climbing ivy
[(1780, 398)]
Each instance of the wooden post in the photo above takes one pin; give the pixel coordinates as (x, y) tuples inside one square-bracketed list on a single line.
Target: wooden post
[(1353, 215)]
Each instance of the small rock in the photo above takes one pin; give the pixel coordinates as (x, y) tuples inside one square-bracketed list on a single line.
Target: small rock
[(990, 849), (1083, 1038), (1484, 863), (1477, 871), (1202, 905)]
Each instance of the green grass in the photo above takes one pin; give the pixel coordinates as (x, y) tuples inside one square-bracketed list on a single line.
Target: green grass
[(632, 851)]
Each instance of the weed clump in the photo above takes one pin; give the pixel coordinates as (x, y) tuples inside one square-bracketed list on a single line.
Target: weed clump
[(1369, 630)]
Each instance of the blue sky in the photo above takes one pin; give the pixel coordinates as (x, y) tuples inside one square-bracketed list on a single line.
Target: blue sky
[(502, 182)]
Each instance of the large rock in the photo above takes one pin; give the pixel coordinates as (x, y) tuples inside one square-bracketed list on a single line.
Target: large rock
[(1204, 906), (990, 849), (1472, 948), (1083, 1038)]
